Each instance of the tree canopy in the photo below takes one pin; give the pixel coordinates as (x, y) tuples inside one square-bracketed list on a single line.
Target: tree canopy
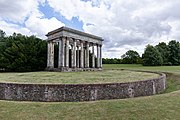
[(2, 34), (164, 51), (22, 53), (131, 57), (174, 52), (152, 57)]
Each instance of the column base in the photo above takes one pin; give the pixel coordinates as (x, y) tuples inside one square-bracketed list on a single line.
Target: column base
[(50, 68), (65, 69)]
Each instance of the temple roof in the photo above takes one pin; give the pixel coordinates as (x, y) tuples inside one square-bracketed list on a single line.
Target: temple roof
[(65, 31)]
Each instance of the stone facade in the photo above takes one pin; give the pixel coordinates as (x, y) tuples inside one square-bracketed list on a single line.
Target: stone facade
[(74, 49), (81, 92)]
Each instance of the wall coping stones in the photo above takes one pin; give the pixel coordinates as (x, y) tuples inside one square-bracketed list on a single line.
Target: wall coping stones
[(82, 92)]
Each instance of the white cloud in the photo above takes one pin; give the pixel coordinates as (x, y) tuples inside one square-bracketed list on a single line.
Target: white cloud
[(18, 10), (23, 16), (10, 28), (124, 22), (41, 26)]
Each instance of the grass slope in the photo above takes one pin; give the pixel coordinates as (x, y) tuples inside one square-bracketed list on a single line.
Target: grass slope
[(158, 107), (170, 69), (172, 72)]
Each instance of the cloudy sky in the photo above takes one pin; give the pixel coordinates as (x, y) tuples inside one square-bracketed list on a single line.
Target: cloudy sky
[(123, 24)]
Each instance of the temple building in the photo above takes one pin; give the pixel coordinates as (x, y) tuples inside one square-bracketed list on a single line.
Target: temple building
[(77, 51)]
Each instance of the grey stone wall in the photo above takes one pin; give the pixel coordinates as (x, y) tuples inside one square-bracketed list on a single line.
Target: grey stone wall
[(81, 92)]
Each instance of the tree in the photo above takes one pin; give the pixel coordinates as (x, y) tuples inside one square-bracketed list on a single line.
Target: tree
[(23, 53), (131, 57), (152, 57), (164, 50), (111, 61), (2, 34), (2, 45), (174, 55), (2, 39)]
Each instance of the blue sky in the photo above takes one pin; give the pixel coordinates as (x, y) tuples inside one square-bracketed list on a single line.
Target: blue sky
[(49, 13), (123, 24)]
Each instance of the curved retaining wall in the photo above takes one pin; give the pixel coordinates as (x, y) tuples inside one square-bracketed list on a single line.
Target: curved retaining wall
[(81, 92)]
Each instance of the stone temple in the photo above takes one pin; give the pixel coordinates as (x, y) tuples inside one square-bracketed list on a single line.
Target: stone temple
[(77, 51)]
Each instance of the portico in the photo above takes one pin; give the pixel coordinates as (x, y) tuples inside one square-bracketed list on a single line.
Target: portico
[(77, 51)]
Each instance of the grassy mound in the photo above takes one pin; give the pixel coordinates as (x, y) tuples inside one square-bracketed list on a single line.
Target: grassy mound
[(157, 107), (105, 76)]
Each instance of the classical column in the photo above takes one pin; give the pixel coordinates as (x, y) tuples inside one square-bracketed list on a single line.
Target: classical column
[(50, 61), (48, 54), (93, 59), (61, 52), (52, 55), (74, 54), (87, 55), (77, 60), (98, 54), (82, 55), (67, 52)]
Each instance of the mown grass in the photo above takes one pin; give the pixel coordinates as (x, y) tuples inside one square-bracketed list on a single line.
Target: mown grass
[(170, 69), (158, 107), (172, 72), (105, 76)]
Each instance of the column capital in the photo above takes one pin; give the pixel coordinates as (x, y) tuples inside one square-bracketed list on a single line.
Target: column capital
[(87, 42), (63, 37), (92, 43)]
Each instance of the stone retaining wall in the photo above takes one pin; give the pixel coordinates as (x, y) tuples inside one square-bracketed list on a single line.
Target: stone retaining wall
[(81, 92)]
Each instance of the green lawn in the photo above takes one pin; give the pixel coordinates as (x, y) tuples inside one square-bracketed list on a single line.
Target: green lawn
[(158, 107), (105, 76), (171, 69)]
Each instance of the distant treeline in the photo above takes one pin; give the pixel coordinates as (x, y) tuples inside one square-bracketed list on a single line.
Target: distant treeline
[(130, 57), (29, 53), (161, 54)]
